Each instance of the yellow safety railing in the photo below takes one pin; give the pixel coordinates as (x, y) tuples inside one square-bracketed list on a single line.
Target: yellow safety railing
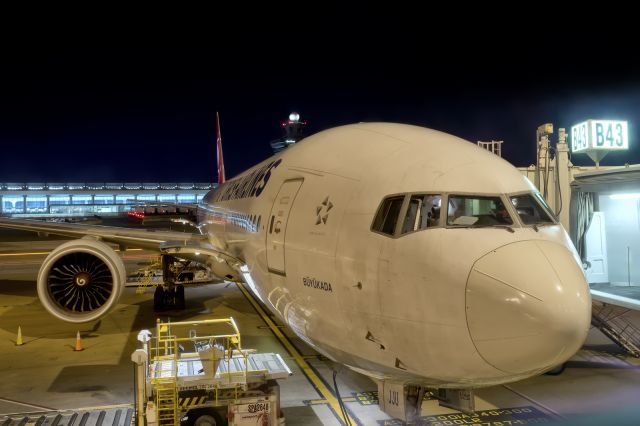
[(165, 348), (145, 276), (167, 401)]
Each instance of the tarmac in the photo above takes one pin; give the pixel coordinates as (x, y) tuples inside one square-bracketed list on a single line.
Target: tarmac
[(599, 386)]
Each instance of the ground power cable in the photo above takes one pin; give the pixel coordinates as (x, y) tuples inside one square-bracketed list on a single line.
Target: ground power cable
[(342, 408)]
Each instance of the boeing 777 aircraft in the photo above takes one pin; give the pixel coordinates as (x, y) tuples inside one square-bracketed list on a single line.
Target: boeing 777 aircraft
[(407, 254)]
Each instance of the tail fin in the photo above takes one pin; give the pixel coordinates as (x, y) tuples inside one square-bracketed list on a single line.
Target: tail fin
[(221, 176)]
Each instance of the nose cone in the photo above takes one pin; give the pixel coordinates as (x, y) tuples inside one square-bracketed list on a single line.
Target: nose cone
[(528, 306)]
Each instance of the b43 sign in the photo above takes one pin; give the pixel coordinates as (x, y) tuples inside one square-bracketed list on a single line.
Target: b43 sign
[(599, 134)]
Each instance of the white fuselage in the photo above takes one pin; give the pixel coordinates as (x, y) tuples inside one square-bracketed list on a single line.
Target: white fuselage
[(444, 306)]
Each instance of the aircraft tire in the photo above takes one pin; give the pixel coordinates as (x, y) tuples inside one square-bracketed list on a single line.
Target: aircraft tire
[(180, 303), (557, 370), (158, 299)]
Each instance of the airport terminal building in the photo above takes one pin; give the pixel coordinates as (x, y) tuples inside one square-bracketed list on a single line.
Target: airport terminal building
[(86, 199)]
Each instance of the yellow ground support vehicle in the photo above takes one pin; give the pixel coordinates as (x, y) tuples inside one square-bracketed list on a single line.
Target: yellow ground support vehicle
[(196, 373)]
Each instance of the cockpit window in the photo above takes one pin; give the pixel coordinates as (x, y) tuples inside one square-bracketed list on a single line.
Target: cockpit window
[(477, 211), (387, 216), (423, 212), (531, 210), (544, 204)]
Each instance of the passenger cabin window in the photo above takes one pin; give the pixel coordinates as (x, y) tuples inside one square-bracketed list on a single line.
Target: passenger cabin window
[(423, 212), (531, 210), (387, 216), (477, 211)]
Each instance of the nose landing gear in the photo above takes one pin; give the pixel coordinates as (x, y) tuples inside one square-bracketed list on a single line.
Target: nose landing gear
[(168, 296)]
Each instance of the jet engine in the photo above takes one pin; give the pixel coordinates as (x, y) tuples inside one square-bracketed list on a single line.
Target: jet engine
[(81, 280)]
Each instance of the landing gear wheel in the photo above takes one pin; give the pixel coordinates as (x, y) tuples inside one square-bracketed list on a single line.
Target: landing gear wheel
[(556, 371), (180, 297), (158, 299), (172, 298)]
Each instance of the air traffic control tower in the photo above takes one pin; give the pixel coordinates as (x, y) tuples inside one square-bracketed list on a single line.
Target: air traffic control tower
[(293, 132)]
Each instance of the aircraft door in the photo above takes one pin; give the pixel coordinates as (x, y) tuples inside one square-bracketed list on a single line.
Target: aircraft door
[(596, 242), (277, 225)]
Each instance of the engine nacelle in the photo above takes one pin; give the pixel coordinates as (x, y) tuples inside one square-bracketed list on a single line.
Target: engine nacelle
[(81, 280)]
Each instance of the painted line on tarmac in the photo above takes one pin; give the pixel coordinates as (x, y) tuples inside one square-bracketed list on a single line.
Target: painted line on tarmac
[(26, 404), (316, 357), (324, 401), (306, 368), (34, 253)]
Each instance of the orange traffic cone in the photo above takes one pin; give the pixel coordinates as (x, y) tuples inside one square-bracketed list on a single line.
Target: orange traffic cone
[(19, 341), (78, 343)]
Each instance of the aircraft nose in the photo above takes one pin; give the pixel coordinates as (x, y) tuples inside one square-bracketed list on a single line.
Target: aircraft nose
[(528, 306)]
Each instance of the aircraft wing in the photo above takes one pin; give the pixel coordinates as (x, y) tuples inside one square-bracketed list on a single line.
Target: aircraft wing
[(129, 237), (61, 266), (185, 245)]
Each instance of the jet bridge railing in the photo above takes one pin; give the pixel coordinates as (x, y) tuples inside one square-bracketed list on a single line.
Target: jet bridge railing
[(610, 319)]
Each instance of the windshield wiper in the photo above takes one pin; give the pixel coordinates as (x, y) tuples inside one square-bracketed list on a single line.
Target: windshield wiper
[(506, 227), (536, 226)]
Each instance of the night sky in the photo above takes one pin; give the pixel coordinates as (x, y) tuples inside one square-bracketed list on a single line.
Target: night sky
[(148, 113)]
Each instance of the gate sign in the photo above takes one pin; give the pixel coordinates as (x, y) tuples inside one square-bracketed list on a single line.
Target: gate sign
[(596, 135)]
